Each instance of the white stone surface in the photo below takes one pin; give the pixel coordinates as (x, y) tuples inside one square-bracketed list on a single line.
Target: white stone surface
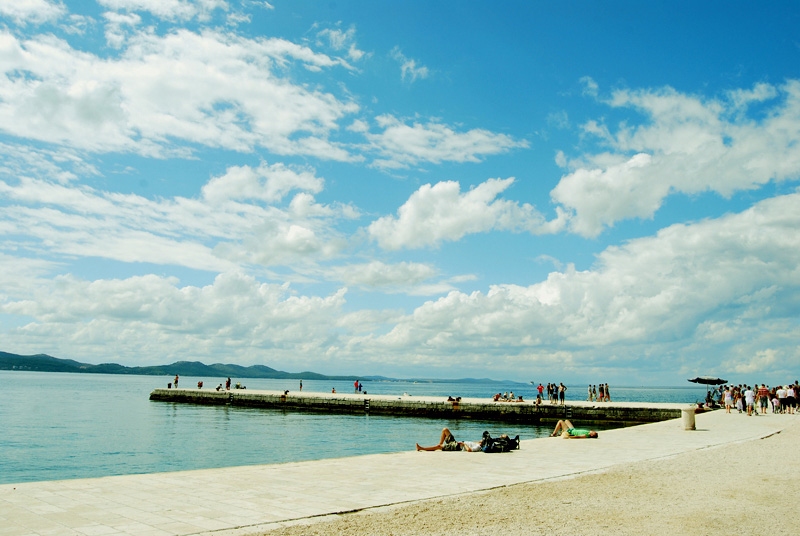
[(238, 500)]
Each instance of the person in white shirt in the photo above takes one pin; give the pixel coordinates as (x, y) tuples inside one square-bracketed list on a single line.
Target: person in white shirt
[(749, 400), (791, 401), (781, 394)]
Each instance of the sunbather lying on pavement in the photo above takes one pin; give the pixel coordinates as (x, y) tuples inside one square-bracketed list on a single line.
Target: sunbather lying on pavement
[(448, 442), (567, 431)]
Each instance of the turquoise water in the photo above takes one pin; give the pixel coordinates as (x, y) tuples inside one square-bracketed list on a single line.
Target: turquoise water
[(61, 426)]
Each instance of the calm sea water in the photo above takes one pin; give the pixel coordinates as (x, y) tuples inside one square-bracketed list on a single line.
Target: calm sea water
[(60, 426)]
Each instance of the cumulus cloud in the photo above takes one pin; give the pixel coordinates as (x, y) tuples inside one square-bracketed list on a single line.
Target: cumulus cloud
[(402, 145), (441, 212), (152, 315), (269, 183), (687, 145), (118, 27), (726, 283), (229, 225), (165, 93)]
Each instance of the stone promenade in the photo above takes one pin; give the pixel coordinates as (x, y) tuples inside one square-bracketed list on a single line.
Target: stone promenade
[(237, 501)]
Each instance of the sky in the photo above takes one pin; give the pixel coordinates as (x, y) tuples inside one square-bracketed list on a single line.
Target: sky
[(536, 191)]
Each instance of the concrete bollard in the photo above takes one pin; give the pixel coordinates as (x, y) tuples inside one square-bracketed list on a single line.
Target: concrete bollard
[(687, 415)]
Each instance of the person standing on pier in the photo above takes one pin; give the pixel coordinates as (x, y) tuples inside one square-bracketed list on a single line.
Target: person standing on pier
[(608, 394), (176, 381), (301, 385)]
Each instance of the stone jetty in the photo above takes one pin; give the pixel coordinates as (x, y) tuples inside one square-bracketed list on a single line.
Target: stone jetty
[(615, 413)]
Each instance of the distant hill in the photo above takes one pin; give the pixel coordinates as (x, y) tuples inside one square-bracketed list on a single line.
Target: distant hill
[(46, 363)]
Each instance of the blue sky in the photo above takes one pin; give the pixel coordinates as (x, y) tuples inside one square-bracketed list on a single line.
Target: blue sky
[(564, 191)]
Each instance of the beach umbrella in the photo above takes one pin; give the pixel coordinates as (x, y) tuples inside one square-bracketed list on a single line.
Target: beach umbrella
[(708, 380)]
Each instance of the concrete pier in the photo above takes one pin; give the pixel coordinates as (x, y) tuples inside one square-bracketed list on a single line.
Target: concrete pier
[(621, 413)]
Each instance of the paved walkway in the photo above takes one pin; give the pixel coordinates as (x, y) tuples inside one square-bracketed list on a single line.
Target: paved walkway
[(241, 500)]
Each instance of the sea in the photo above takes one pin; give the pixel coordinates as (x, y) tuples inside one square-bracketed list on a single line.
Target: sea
[(58, 426)]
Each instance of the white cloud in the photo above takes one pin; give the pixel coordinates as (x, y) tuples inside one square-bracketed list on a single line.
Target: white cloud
[(167, 92), (182, 10), (269, 183), (438, 213), (19, 274), (218, 232), (117, 26), (689, 145), (274, 242), (376, 274), (151, 315), (659, 295), (401, 145), (339, 39), (32, 11), (62, 165), (409, 70)]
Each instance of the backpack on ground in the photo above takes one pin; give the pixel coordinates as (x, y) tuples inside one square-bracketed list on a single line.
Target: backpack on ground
[(500, 444)]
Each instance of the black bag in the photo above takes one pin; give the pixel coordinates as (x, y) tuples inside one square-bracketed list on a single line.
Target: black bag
[(500, 444)]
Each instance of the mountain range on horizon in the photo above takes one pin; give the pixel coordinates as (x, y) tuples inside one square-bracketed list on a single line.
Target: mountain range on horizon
[(47, 363)]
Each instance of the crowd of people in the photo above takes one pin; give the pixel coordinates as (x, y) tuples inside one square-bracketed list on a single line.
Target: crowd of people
[(556, 393), (507, 397), (758, 398), (599, 393)]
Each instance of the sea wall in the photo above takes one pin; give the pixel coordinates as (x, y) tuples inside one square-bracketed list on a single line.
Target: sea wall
[(431, 407)]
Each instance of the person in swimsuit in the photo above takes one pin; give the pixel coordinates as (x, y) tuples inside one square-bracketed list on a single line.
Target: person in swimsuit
[(567, 431), (448, 442)]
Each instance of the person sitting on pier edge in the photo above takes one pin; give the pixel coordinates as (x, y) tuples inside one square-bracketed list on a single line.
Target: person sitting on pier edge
[(567, 431), (448, 443)]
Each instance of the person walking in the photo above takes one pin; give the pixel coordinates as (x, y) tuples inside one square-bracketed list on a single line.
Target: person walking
[(791, 399), (727, 398), (763, 398), (749, 400)]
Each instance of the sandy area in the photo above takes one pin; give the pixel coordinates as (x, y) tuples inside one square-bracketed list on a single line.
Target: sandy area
[(732, 489)]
